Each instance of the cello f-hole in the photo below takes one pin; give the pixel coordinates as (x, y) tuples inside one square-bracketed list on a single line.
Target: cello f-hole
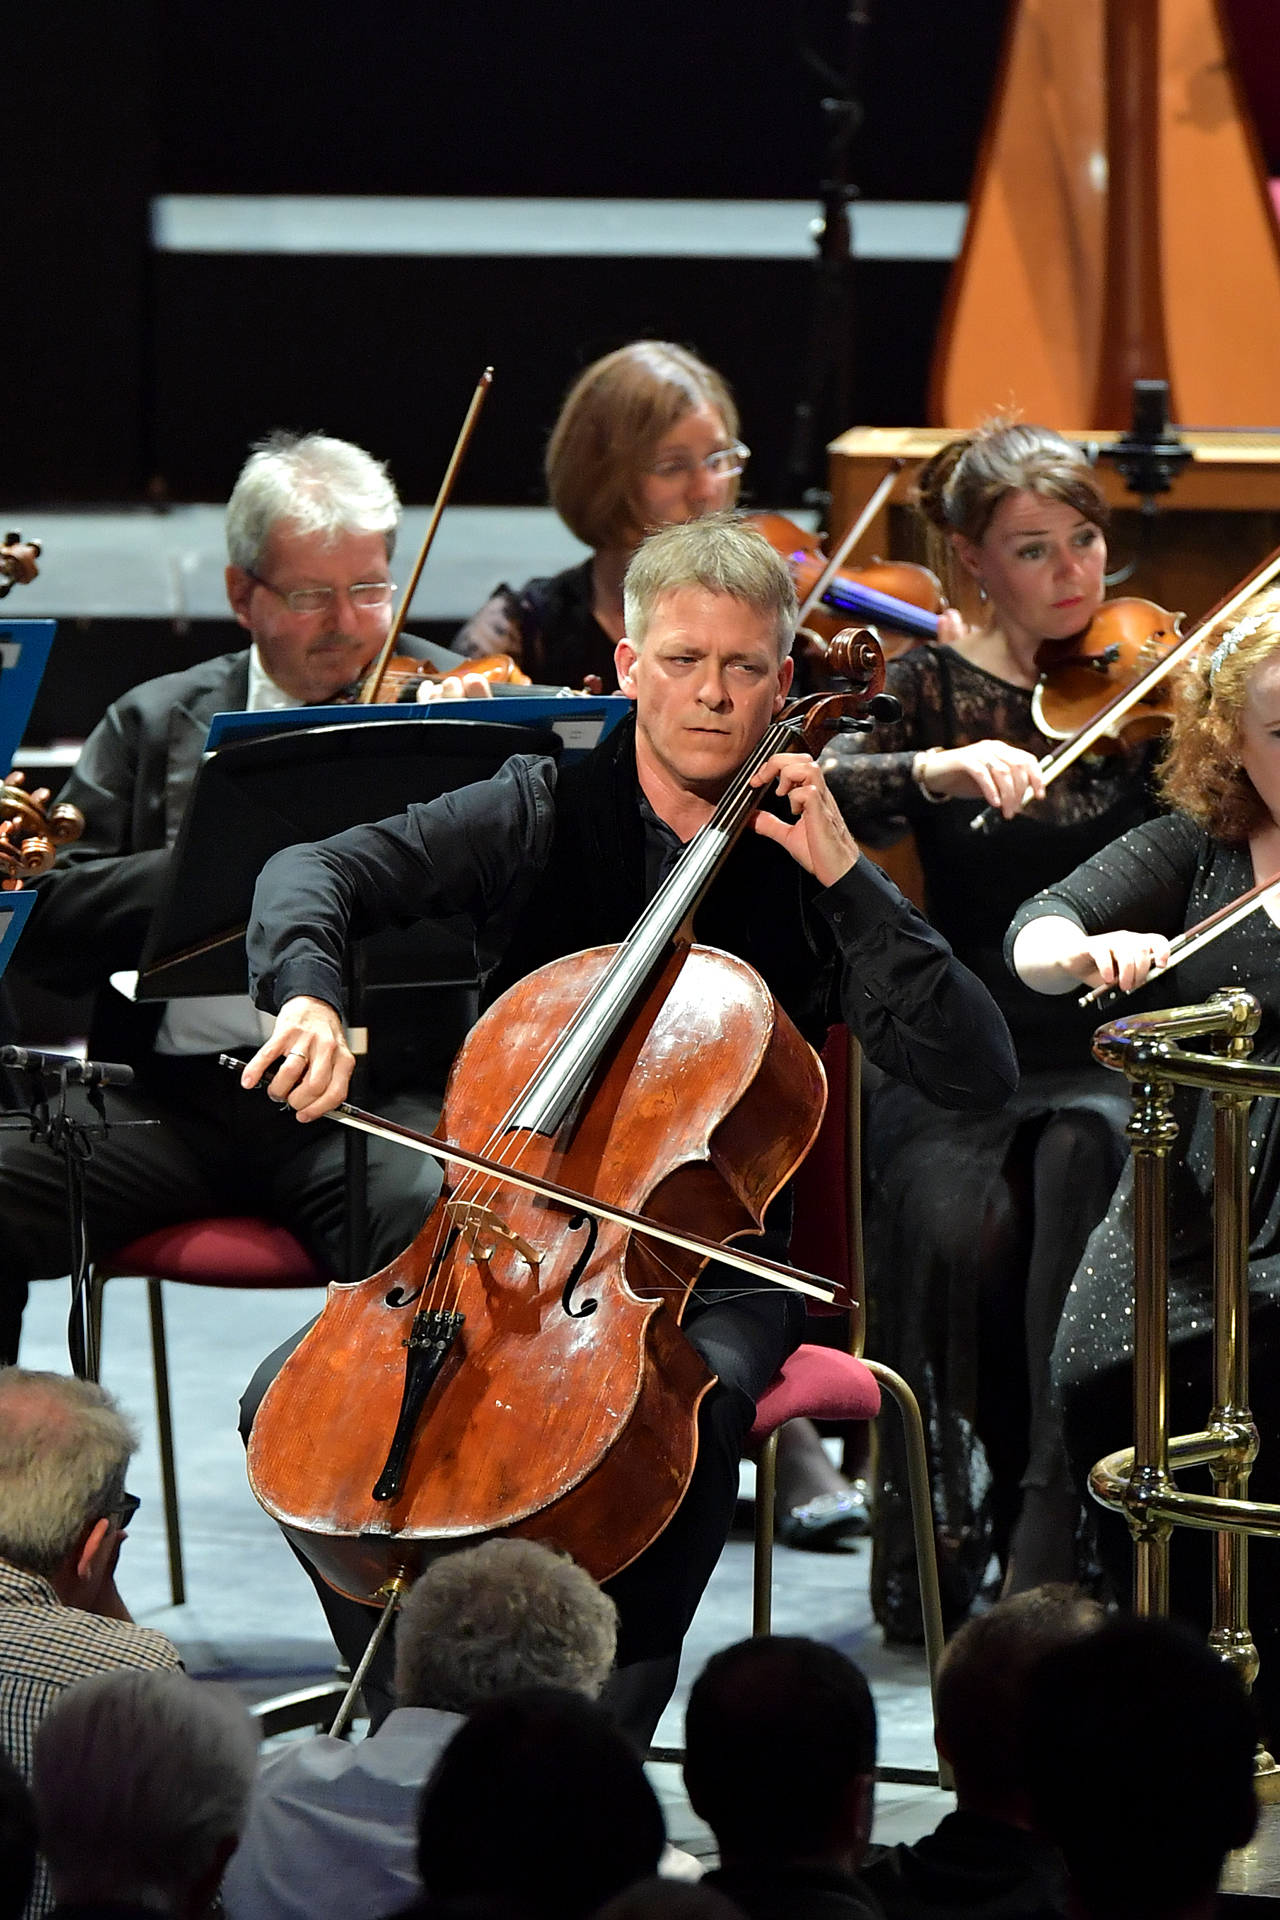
[(584, 1307)]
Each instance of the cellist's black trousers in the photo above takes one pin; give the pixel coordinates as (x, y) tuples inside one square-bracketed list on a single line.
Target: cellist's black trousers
[(744, 1338)]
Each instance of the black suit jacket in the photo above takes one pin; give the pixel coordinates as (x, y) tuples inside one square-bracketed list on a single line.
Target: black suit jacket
[(132, 783)]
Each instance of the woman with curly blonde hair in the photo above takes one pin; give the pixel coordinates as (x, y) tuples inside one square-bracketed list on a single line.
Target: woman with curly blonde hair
[(1110, 923)]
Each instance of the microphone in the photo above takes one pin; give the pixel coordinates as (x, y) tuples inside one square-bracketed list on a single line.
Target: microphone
[(80, 1073)]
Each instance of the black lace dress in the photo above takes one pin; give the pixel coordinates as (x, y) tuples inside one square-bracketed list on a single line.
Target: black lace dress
[(975, 1223)]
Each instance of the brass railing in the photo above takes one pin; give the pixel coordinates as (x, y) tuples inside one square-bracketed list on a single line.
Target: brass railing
[(1138, 1481)]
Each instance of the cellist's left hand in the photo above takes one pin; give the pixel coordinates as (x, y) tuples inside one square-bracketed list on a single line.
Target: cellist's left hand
[(818, 837)]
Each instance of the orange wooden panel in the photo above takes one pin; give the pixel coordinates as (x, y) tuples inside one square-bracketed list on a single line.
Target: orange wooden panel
[(1221, 252), (1021, 328)]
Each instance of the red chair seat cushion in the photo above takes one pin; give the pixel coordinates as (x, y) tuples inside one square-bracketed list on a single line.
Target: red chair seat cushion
[(221, 1253), (820, 1382)]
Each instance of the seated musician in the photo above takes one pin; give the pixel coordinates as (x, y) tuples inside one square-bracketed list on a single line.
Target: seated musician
[(311, 528), (647, 437), (545, 863)]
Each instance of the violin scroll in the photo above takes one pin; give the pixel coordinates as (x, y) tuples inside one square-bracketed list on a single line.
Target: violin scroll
[(31, 831)]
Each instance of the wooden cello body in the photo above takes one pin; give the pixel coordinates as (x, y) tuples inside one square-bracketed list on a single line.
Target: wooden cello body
[(1120, 228), (567, 1407), (520, 1368)]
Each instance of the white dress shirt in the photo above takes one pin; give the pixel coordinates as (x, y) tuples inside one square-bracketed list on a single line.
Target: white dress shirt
[(212, 1022), (332, 1831)]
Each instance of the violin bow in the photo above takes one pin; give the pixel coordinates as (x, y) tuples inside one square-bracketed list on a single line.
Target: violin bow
[(1069, 751), (373, 679), (850, 540), (443, 1150), (1203, 934)]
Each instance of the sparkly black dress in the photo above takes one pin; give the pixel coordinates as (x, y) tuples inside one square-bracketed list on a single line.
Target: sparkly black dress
[(975, 1225), (1162, 878)]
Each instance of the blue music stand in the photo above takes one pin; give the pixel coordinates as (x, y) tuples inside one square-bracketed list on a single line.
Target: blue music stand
[(15, 909), (25, 646)]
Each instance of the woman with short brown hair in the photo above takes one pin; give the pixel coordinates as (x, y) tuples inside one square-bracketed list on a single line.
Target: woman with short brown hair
[(647, 437)]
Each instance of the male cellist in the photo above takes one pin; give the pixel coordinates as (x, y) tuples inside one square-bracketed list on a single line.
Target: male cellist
[(547, 863)]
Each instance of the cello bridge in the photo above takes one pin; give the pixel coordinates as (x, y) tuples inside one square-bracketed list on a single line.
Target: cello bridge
[(478, 1223)]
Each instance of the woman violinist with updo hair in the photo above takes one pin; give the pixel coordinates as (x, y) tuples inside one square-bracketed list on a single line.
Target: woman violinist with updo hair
[(647, 437), (975, 1225)]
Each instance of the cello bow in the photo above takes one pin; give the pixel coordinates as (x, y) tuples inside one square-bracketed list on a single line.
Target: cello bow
[(443, 1150)]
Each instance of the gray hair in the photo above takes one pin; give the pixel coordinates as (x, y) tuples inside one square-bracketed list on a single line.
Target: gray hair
[(719, 553), (492, 1618), (316, 484), (64, 1450), (138, 1778)]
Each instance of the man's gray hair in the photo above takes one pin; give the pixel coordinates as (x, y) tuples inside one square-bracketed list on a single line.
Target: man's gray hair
[(64, 1450), (314, 483), (138, 1778), (507, 1614), (720, 553)]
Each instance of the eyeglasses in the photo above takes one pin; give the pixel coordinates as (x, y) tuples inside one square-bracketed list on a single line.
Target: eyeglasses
[(125, 1508), (723, 463), (365, 593)]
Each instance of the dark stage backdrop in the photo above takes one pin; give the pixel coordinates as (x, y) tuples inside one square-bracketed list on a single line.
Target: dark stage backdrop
[(146, 375), (134, 376)]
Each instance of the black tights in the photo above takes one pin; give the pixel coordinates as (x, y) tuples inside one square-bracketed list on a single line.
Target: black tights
[(1054, 1188)]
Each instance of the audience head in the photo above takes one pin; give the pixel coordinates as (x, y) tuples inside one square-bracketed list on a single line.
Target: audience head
[(982, 1683), (657, 1899), (17, 1841), (631, 447), (780, 1752), (141, 1783), (311, 527), (1139, 1749), (540, 1801), (64, 1451), (499, 1617)]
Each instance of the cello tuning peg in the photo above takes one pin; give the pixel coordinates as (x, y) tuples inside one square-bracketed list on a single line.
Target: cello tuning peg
[(847, 724), (885, 706)]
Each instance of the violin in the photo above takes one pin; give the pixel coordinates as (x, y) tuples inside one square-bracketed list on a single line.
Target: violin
[(1153, 629), (896, 594), (17, 562), (519, 1368), (31, 832), (403, 676), (1081, 676)]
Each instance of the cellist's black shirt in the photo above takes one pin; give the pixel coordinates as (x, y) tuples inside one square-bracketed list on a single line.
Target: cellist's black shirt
[(498, 853)]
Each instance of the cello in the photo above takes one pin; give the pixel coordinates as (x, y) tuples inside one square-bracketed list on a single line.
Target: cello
[(519, 1368)]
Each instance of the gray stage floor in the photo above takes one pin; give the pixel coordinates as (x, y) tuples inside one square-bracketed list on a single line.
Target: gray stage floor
[(251, 1617)]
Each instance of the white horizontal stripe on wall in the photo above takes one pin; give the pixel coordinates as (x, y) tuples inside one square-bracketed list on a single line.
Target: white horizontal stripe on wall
[(511, 228)]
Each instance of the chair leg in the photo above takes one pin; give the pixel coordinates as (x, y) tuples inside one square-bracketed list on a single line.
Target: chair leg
[(762, 1563), (164, 1420), (918, 1481), (93, 1346)]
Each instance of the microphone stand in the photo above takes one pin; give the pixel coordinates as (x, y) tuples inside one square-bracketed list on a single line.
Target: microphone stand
[(824, 405), (72, 1139)]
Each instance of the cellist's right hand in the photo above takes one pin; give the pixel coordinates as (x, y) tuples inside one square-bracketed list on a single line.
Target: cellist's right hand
[(315, 1061)]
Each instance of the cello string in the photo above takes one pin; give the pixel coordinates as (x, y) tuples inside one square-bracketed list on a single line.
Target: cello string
[(510, 1146)]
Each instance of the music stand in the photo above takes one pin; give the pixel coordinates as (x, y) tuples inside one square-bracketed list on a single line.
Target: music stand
[(251, 800)]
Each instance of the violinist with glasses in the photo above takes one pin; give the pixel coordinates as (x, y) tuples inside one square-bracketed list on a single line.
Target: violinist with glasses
[(646, 438), (311, 528), (975, 1223), (546, 863)]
